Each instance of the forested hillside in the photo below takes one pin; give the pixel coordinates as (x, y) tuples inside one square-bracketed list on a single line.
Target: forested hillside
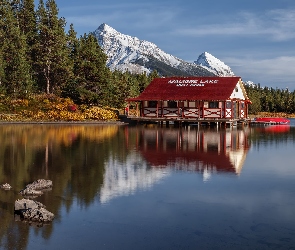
[(270, 100), (39, 57)]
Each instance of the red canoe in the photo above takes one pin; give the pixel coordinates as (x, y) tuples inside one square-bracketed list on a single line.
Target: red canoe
[(272, 120)]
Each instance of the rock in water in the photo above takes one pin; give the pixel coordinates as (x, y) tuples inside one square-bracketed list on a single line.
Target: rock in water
[(34, 211), (38, 215), (6, 186), (24, 204), (40, 184), (30, 192), (36, 188)]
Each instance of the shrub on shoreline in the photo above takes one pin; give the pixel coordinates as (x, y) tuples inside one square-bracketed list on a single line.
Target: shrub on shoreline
[(51, 108)]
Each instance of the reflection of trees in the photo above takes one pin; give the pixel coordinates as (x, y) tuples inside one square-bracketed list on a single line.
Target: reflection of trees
[(72, 157), (86, 160)]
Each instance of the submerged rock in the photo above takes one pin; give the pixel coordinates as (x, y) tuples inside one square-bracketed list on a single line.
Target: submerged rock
[(40, 184), (30, 192), (6, 186), (36, 188), (34, 211), (31, 211)]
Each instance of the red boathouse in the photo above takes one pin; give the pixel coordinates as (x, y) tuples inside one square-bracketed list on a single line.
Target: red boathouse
[(193, 99)]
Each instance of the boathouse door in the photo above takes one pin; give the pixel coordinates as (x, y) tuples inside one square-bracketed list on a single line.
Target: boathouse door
[(236, 110)]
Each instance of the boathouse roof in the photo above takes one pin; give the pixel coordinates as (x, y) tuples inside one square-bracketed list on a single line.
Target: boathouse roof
[(190, 88)]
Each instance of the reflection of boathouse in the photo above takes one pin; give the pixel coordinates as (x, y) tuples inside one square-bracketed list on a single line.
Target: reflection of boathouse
[(195, 150), (193, 99), (156, 152)]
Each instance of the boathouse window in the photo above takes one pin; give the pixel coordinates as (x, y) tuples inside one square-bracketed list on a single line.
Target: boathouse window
[(192, 104), (213, 105), (228, 105), (172, 104), (152, 104)]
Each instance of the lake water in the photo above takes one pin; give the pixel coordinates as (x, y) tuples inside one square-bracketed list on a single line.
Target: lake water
[(147, 187)]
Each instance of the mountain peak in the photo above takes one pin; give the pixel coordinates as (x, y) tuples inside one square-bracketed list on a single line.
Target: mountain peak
[(214, 65), (106, 29), (127, 53)]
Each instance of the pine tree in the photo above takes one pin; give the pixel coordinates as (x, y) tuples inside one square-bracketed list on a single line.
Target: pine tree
[(54, 68), (27, 21), (71, 88), (2, 72), (15, 70), (72, 43), (254, 94), (91, 73)]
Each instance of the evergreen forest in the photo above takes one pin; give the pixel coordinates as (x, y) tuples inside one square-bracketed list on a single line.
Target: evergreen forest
[(38, 56)]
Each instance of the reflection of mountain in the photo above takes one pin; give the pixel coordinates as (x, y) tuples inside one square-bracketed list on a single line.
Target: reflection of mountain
[(192, 150), (124, 179)]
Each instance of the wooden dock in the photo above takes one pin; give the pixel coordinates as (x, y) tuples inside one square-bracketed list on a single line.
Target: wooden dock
[(177, 121)]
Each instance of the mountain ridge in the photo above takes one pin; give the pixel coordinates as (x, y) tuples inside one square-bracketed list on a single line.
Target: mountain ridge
[(127, 53)]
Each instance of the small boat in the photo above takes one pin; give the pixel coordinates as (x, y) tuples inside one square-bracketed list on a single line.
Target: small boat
[(272, 120)]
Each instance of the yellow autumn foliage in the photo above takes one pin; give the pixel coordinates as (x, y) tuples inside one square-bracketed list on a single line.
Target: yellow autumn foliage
[(97, 113), (52, 108)]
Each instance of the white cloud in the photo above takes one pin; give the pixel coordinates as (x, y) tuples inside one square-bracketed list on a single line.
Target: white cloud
[(271, 72), (277, 25)]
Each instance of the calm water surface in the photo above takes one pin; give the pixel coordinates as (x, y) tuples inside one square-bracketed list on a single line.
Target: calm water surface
[(120, 187)]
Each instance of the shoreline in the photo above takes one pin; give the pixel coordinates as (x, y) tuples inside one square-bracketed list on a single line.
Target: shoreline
[(66, 122), (123, 120)]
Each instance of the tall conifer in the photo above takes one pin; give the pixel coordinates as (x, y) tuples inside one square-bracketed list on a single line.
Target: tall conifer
[(90, 70), (52, 53), (15, 69), (27, 21)]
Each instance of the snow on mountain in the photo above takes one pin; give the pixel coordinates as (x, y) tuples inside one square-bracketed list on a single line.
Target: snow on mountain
[(250, 84), (214, 65), (124, 49), (129, 53)]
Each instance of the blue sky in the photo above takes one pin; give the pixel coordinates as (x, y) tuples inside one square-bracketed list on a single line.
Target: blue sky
[(256, 38)]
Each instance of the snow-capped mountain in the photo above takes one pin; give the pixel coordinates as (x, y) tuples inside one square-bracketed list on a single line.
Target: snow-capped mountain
[(214, 65), (129, 53)]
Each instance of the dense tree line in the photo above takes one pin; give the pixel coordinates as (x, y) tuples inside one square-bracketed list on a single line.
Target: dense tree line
[(265, 99), (37, 55)]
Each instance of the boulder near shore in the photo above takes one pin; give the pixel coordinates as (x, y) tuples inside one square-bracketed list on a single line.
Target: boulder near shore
[(6, 186), (33, 211), (36, 188)]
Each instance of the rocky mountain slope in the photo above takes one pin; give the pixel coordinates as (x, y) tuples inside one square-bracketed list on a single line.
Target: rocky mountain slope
[(129, 53), (214, 65)]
